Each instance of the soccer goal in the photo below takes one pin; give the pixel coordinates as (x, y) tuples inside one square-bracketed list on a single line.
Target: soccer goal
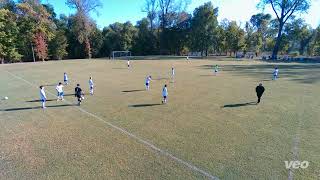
[(121, 54)]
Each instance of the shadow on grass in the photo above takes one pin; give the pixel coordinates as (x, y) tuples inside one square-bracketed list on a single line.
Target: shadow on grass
[(206, 75), (144, 105), (301, 73), (70, 94), (239, 105), (48, 85), (136, 90), (266, 80), (38, 107), (159, 79), (38, 100), (119, 68)]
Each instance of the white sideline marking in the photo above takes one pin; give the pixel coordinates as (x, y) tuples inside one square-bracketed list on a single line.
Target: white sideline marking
[(295, 148), (163, 152)]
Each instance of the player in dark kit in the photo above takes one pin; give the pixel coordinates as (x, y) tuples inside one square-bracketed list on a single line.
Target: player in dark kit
[(78, 93), (259, 90)]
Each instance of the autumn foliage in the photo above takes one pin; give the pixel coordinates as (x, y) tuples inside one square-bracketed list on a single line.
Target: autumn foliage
[(41, 46)]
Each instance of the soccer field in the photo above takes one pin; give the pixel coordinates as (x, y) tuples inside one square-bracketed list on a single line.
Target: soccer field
[(210, 127)]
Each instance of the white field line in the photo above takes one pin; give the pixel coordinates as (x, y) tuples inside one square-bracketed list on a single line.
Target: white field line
[(144, 142), (296, 142)]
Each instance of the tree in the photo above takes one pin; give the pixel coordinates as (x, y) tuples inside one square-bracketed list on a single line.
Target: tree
[(8, 37), (261, 22), (220, 40), (118, 37), (58, 45), (284, 9), (83, 24), (300, 35), (145, 42), (41, 45), (36, 26), (234, 37), (316, 43), (204, 26), (151, 8), (178, 35), (168, 14), (96, 39)]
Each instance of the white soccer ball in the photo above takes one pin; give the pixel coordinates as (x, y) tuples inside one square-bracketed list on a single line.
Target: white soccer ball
[(82, 98), (6, 98)]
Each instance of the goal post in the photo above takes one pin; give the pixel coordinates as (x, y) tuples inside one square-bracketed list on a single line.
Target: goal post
[(121, 54)]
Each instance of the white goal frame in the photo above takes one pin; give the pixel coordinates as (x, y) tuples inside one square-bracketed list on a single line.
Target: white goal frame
[(126, 54)]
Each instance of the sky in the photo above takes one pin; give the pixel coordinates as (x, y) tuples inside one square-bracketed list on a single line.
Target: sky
[(131, 10)]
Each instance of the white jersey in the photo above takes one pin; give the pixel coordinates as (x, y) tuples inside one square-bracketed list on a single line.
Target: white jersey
[(91, 83), (43, 94), (148, 79), (59, 88), (128, 62), (276, 72), (173, 72), (164, 91), (65, 77)]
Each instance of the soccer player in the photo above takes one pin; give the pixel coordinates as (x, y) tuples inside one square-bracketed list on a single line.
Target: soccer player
[(173, 73), (165, 94), (148, 80), (65, 79), (259, 90), (275, 74), (59, 89), (128, 63), (216, 69), (91, 86), (78, 94), (43, 97)]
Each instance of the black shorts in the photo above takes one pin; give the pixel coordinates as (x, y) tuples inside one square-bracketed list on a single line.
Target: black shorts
[(164, 97), (147, 84)]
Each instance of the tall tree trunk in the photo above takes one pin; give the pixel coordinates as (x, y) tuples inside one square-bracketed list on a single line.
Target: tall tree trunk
[(277, 45)]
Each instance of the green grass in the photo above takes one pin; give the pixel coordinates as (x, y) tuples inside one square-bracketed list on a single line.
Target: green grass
[(199, 124)]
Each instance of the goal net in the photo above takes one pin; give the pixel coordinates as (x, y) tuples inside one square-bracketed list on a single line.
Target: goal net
[(121, 54)]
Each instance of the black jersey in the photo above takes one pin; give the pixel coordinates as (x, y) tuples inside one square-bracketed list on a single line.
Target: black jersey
[(78, 92)]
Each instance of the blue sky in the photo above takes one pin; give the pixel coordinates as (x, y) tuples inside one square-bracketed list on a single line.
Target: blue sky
[(130, 10)]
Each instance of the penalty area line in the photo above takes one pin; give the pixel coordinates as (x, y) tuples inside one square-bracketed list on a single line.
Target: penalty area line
[(142, 141)]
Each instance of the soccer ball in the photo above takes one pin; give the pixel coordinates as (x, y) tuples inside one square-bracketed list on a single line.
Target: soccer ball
[(82, 97), (6, 98)]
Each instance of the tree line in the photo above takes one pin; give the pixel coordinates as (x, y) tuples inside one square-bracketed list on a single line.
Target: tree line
[(31, 31)]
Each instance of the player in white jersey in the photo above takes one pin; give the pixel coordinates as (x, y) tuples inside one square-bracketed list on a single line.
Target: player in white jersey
[(148, 81), (91, 86), (43, 97), (128, 63), (60, 92), (275, 73), (173, 72), (164, 94), (65, 79)]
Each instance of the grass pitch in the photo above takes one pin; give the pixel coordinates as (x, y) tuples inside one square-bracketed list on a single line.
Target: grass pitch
[(210, 121)]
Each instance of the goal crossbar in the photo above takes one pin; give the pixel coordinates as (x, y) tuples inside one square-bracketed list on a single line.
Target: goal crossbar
[(120, 54)]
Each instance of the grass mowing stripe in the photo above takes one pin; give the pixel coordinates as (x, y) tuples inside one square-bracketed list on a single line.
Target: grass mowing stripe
[(146, 143), (296, 141)]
